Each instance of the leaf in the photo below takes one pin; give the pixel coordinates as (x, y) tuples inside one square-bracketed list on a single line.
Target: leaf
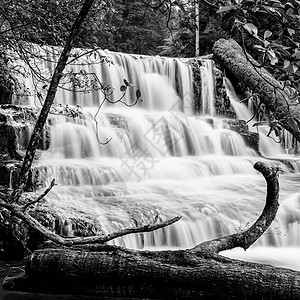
[(295, 68), (296, 54), (291, 31), (271, 53), (267, 34), (289, 70), (280, 48), (289, 4), (297, 121), (286, 63), (127, 83), (272, 56), (273, 60), (293, 124), (226, 8), (123, 88), (138, 94), (259, 48), (266, 43), (261, 123), (251, 28), (277, 131)]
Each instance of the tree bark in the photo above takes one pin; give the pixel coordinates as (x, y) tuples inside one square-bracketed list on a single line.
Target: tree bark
[(277, 99), (115, 271)]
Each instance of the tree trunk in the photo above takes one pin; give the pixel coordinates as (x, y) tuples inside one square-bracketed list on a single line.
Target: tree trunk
[(113, 271), (277, 99)]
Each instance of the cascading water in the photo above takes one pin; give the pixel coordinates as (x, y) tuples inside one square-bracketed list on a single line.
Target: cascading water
[(161, 161), (268, 145)]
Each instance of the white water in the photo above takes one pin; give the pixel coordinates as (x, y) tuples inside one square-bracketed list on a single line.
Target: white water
[(269, 146), (163, 161)]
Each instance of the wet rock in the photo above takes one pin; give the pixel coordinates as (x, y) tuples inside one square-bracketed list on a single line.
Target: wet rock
[(197, 85), (13, 236), (16, 124), (9, 170), (251, 139), (16, 238), (8, 142)]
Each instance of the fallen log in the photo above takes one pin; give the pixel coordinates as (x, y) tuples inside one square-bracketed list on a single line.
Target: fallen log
[(114, 271), (197, 273), (278, 99)]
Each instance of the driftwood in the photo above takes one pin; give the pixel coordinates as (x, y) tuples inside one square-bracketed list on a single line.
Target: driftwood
[(279, 100), (197, 273)]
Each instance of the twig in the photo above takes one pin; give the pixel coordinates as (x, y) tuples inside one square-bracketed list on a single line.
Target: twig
[(102, 239), (210, 4), (39, 198)]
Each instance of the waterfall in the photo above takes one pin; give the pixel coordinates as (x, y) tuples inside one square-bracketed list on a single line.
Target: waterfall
[(207, 95), (160, 160), (268, 145)]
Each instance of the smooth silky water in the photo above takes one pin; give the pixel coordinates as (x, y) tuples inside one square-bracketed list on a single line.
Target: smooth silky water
[(164, 161)]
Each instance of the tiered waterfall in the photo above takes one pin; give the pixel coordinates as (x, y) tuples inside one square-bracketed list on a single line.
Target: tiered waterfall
[(123, 166)]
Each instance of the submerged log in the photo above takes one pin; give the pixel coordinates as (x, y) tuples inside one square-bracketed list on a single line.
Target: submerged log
[(277, 99)]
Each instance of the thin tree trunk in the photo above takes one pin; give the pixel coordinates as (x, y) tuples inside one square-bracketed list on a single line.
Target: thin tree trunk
[(58, 73)]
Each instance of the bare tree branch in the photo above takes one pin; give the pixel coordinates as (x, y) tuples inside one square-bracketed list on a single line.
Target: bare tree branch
[(39, 198), (18, 211), (246, 238)]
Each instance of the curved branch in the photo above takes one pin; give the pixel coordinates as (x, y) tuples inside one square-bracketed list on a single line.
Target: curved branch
[(248, 237), (18, 211)]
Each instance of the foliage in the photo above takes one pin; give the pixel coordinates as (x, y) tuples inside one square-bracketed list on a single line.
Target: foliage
[(181, 39), (266, 29), (109, 23), (269, 30), (46, 22), (191, 18), (6, 80), (135, 28), (274, 28)]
